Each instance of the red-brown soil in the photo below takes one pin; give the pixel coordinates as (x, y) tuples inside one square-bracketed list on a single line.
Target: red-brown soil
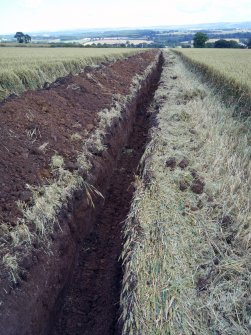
[(91, 305), (52, 115)]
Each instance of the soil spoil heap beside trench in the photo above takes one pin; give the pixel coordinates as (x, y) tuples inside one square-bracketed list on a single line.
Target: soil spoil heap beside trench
[(68, 157)]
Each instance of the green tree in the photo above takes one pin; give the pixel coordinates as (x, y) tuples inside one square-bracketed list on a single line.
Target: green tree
[(209, 45), (22, 38), (226, 44), (19, 36), (27, 38), (199, 40)]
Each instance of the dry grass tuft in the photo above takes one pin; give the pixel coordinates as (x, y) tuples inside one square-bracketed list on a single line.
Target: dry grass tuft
[(10, 262), (47, 201), (76, 137), (57, 162), (187, 250)]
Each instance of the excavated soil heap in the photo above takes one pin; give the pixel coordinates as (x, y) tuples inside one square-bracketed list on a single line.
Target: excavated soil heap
[(51, 116)]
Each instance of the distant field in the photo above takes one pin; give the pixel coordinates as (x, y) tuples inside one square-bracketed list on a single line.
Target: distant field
[(228, 69), (117, 41), (28, 68), (212, 40)]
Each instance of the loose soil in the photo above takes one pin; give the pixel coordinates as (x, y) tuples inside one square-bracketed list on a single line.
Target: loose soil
[(53, 115)]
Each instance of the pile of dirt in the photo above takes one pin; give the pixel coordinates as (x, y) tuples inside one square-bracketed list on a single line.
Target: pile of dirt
[(58, 120), (36, 125)]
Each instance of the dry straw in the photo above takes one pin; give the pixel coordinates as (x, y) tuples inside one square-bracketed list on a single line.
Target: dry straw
[(186, 256)]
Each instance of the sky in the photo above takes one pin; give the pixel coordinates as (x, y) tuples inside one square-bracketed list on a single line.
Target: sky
[(54, 15)]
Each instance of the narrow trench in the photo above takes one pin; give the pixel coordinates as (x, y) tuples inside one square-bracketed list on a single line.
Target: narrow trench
[(91, 304)]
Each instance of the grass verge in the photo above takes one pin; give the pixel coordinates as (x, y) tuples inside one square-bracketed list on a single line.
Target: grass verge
[(187, 244)]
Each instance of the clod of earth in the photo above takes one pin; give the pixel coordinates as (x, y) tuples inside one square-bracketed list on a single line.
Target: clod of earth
[(202, 284), (226, 220), (192, 131), (183, 163), (171, 162), (183, 185), (197, 186)]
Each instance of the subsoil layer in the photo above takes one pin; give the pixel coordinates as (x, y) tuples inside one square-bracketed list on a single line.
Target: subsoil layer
[(91, 305)]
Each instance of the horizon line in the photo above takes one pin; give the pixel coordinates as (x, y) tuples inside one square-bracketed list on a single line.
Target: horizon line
[(99, 29)]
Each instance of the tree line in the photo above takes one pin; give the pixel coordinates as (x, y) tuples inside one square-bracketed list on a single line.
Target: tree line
[(200, 41)]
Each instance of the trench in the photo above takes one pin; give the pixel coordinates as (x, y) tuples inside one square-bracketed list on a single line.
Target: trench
[(91, 301)]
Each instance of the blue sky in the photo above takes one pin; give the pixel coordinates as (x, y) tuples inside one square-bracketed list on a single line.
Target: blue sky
[(49, 15)]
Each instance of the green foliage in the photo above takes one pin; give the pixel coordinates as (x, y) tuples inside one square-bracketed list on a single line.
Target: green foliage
[(226, 44), (209, 45), (27, 38), (22, 38), (19, 36), (199, 40)]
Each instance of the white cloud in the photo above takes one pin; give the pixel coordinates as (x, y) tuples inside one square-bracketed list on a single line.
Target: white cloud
[(31, 3), (37, 15), (192, 6)]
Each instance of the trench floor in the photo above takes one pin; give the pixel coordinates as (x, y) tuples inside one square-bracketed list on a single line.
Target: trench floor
[(91, 305)]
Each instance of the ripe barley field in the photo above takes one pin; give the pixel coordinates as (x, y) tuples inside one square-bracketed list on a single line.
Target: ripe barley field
[(229, 70), (29, 68)]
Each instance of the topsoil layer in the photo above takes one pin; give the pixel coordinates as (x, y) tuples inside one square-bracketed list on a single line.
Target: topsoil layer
[(49, 116), (52, 116)]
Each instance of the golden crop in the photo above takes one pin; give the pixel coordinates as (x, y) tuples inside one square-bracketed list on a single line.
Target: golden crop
[(228, 70), (234, 64), (30, 68)]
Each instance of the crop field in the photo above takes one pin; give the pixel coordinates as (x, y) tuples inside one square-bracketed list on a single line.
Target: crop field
[(117, 41), (30, 68), (229, 70), (233, 64)]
